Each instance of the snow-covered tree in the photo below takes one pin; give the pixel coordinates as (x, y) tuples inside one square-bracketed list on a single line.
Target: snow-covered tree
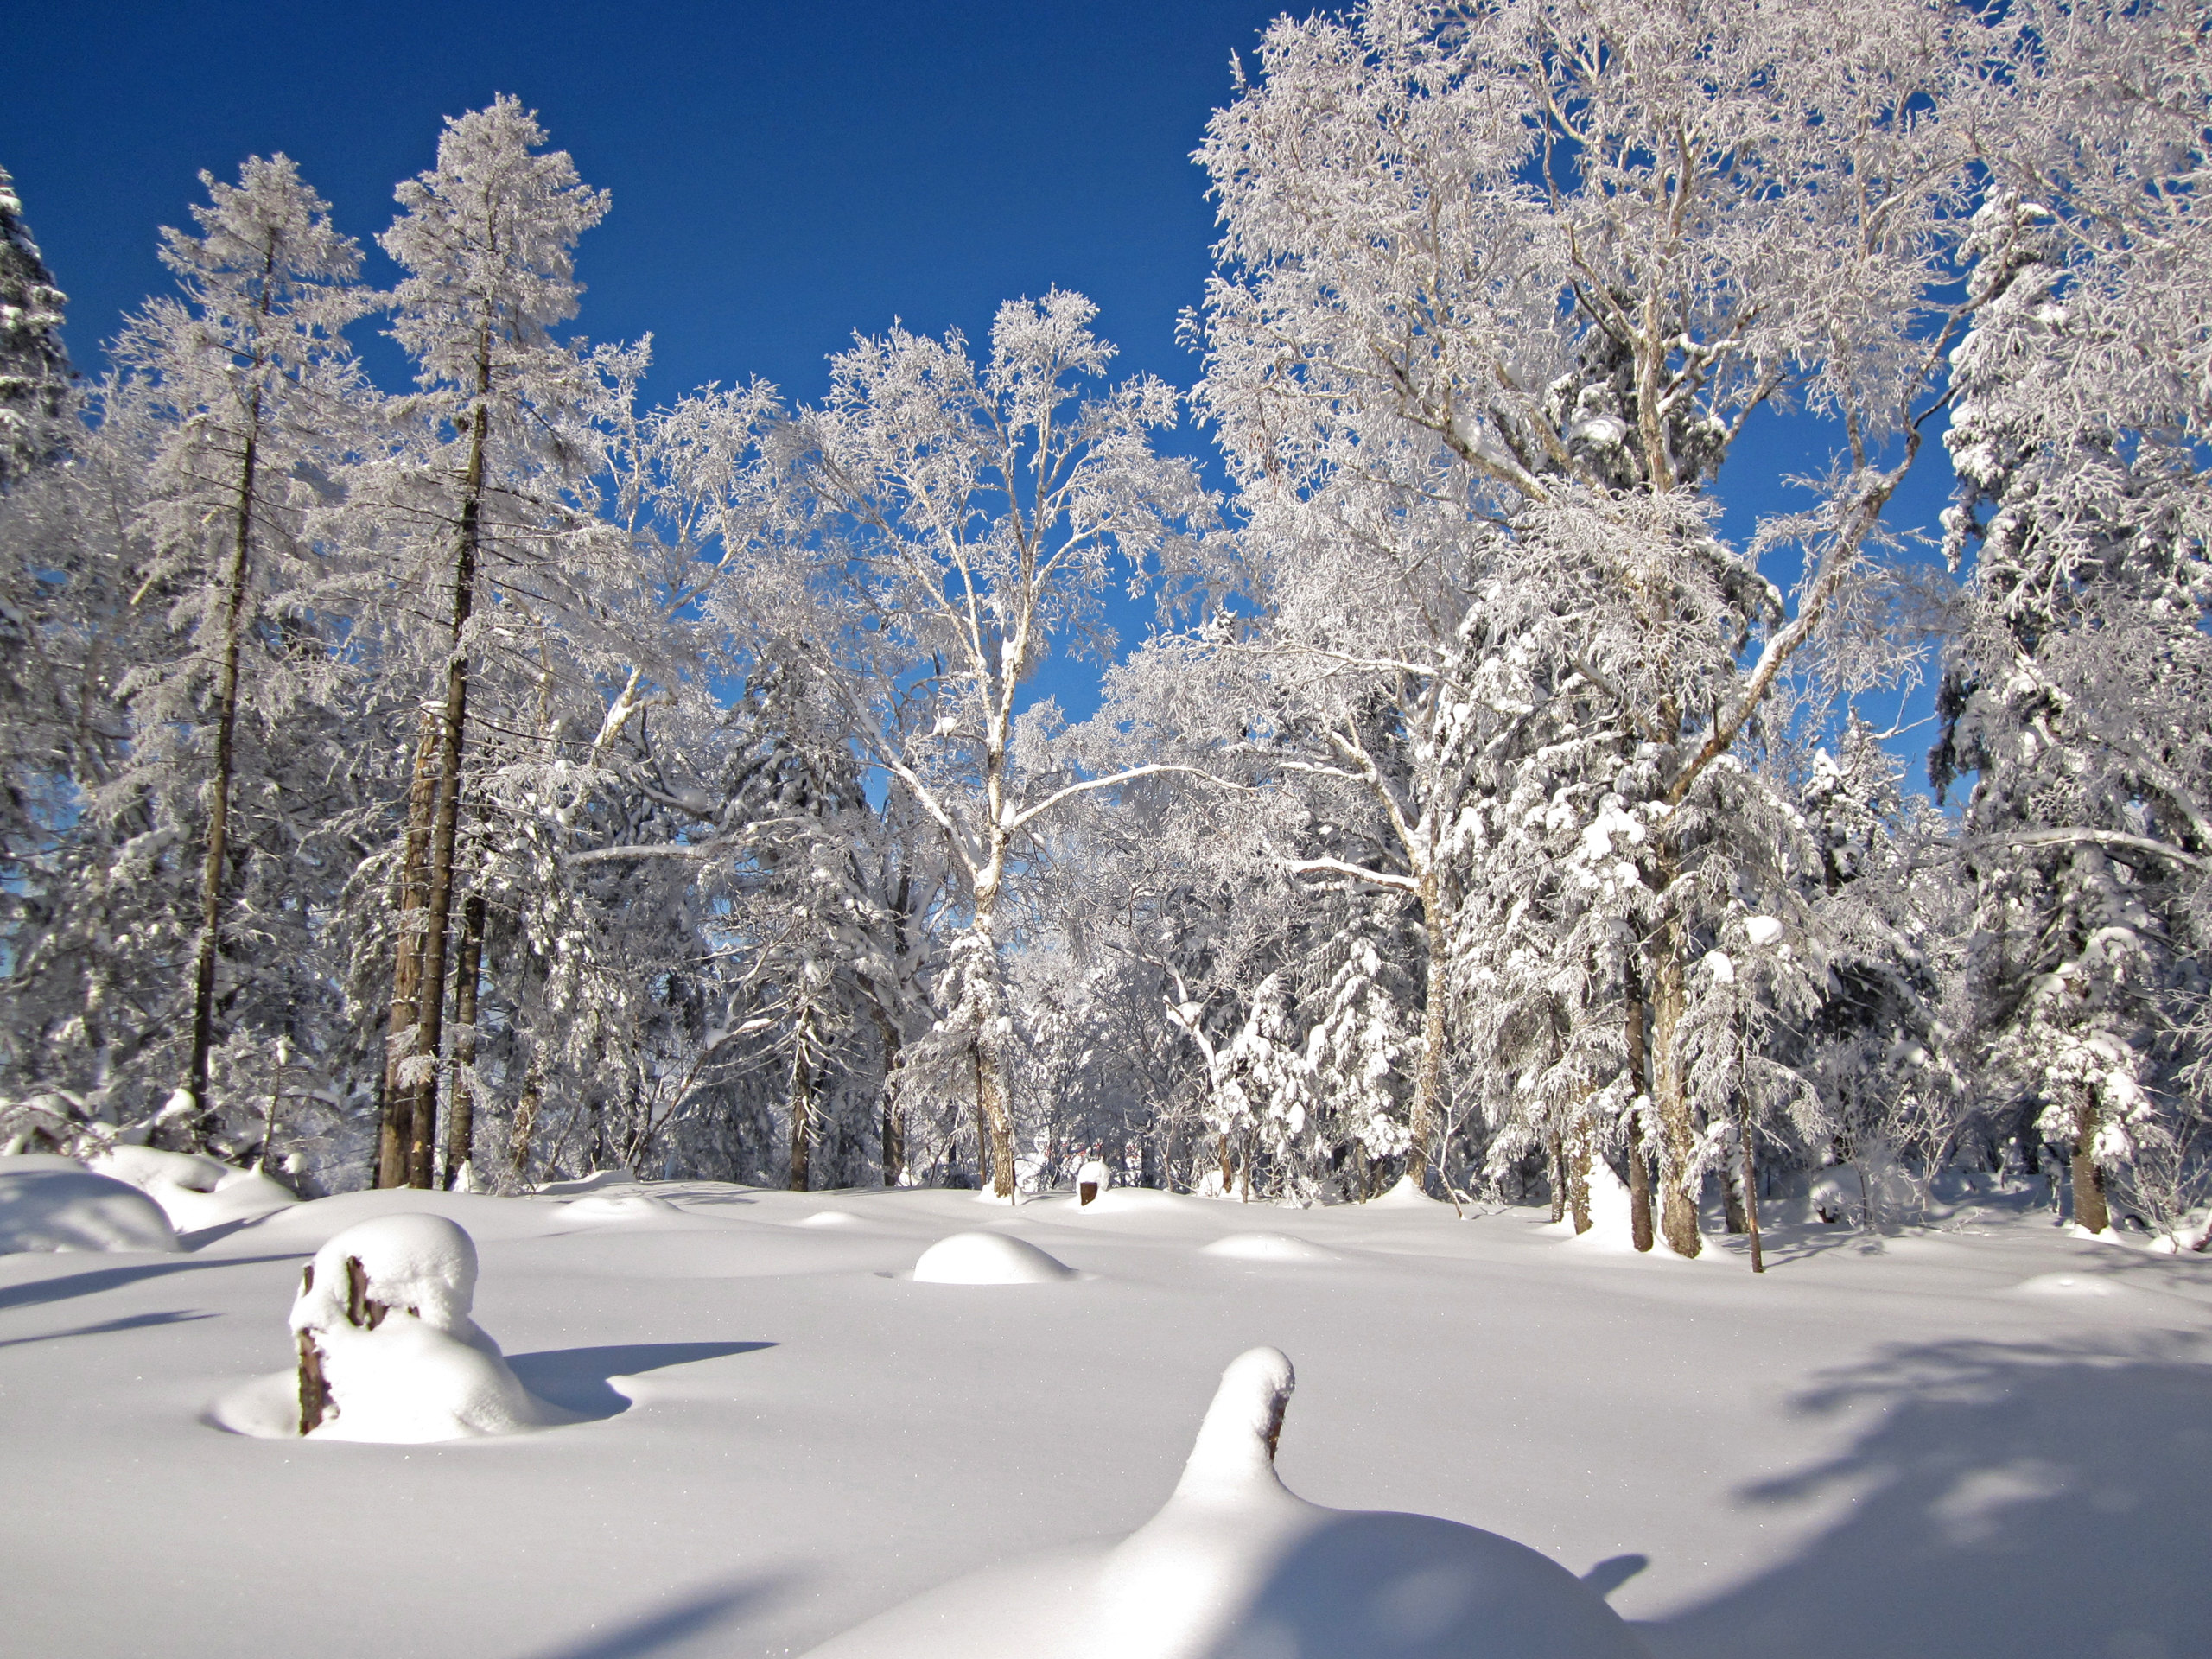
[(1497, 290), (256, 396), (967, 518), (474, 505), (35, 372), (2076, 690)]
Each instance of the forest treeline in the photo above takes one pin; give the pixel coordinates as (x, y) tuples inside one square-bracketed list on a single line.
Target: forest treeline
[(500, 779)]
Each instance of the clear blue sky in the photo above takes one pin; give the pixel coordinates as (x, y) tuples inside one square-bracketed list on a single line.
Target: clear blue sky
[(782, 175)]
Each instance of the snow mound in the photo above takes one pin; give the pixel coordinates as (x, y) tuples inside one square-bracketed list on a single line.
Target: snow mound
[(988, 1259), (1270, 1247), (1131, 1201), (194, 1191), (56, 1204), (829, 1218), (388, 1352), (1406, 1194), (619, 1206), (598, 1181), (1235, 1564)]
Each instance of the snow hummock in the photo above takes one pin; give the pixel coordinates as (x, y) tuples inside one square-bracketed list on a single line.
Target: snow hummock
[(194, 1191), (384, 1312), (1270, 1247), (49, 1202), (1236, 1563), (988, 1259), (619, 1206), (1407, 1192)]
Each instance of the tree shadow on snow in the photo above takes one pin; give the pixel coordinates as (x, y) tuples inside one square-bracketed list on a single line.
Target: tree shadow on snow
[(2044, 1501), (676, 1623), (61, 1288), (133, 1322), (577, 1378)]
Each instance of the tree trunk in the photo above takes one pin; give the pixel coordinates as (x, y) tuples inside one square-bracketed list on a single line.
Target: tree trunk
[(1428, 1081), (1751, 1200), (1731, 1201), (461, 1114), (802, 1116), (993, 1099), (1558, 1150), (525, 1120), (1639, 1165), (423, 1092), (894, 1148), (1578, 1168), (218, 786), (1678, 1182), (398, 1121), (2089, 1208), (1227, 1167)]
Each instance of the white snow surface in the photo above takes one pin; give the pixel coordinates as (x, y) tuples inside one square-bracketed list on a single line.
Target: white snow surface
[(194, 1191), (988, 1259), (1235, 1564), (50, 1203), (1883, 1445)]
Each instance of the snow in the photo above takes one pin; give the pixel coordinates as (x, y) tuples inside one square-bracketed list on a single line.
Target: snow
[(1271, 1246), (1235, 1563), (56, 1204), (987, 1259), (775, 1435), (1612, 1230), (192, 1190), (386, 1307)]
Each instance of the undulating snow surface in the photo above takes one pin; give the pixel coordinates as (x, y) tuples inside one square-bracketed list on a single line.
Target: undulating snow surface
[(1993, 1438), (1235, 1564), (56, 1204)]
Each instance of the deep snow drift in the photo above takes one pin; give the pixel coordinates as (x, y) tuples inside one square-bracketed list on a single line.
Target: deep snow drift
[(1235, 1564), (1990, 1439)]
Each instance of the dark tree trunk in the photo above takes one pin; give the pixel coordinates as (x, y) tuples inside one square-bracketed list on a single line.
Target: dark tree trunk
[(398, 1126), (1751, 1200), (416, 1100), (218, 786), (1639, 1164), (802, 1118), (2090, 1211)]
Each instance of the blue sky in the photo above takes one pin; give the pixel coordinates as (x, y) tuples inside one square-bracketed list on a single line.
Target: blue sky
[(782, 175)]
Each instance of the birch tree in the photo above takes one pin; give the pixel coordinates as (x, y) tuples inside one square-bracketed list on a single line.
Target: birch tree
[(967, 518)]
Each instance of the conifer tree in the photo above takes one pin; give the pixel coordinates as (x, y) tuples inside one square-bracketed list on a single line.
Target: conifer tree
[(257, 396), (35, 372), (486, 237)]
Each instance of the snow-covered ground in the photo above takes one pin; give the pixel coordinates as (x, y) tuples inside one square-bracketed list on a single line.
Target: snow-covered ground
[(1991, 1439)]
